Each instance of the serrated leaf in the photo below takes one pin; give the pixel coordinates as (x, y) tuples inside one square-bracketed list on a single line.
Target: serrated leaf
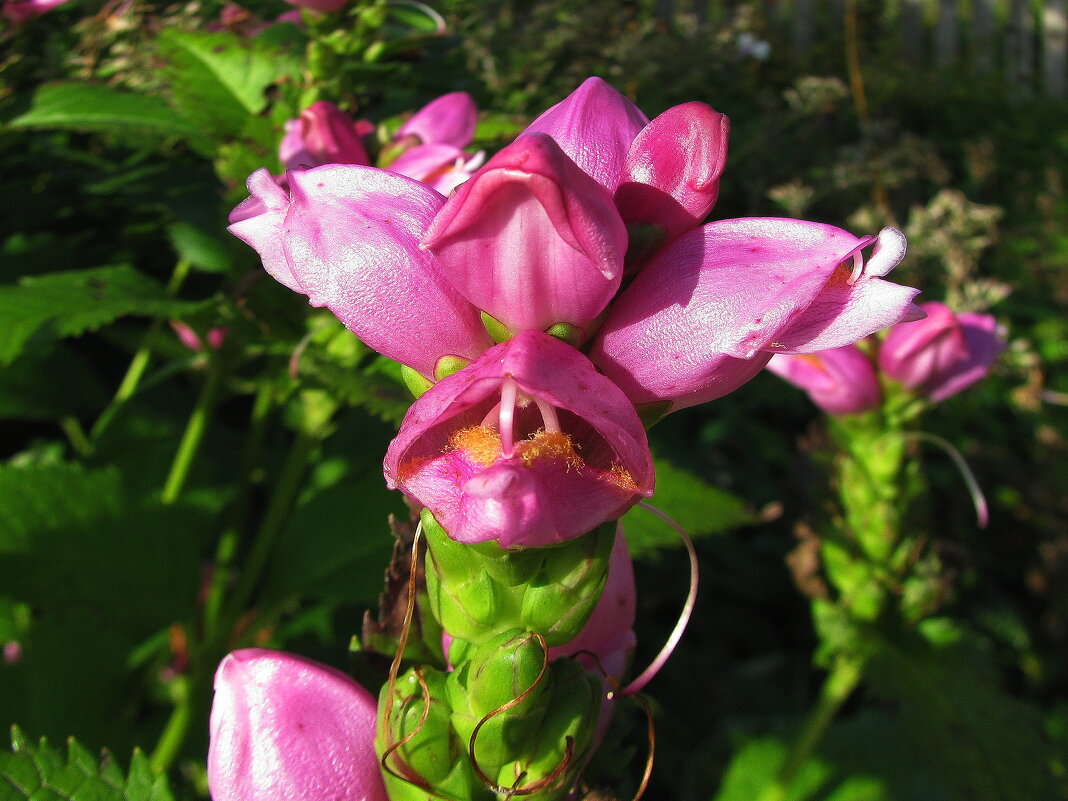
[(992, 745), (71, 303), (696, 505), (88, 107), (218, 80), (40, 773)]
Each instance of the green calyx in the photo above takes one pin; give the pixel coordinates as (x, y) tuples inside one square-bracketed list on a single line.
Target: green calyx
[(476, 591), (416, 382), (497, 330), (567, 333)]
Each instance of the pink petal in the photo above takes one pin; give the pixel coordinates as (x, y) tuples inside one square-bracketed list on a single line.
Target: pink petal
[(839, 381), (594, 125), (531, 239)]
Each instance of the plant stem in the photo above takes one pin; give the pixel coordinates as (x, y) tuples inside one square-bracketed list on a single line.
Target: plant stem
[(845, 674), (174, 733), (194, 432), (139, 363)]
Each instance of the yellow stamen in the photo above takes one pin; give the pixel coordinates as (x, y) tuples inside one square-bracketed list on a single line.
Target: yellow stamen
[(549, 445), (481, 443)]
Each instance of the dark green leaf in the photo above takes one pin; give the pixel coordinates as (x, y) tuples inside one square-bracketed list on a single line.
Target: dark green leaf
[(88, 107), (698, 507), (218, 80), (40, 773), (71, 303)]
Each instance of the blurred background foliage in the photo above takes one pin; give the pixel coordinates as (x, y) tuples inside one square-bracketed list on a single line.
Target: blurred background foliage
[(141, 478)]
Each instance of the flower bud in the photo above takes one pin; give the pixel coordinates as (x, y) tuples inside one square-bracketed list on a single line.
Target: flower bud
[(839, 381), (943, 354), (447, 120), (285, 728), (531, 239), (671, 173), (324, 134)]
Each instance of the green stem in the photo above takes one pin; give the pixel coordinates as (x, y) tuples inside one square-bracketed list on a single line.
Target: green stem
[(194, 432), (227, 546), (139, 363), (174, 733), (844, 677), (281, 504)]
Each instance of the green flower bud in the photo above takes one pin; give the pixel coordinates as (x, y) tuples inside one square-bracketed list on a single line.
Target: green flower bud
[(434, 758), (476, 591)]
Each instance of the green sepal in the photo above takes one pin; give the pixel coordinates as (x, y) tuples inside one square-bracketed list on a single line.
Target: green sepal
[(416, 382), (447, 365), (497, 330), (653, 412), (476, 591), (567, 333)]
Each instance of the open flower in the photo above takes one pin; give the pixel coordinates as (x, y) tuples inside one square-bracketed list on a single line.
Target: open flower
[(942, 354), (528, 446), (711, 308), (348, 238), (840, 380), (285, 728)]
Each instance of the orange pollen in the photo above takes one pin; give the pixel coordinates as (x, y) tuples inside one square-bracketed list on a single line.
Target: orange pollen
[(621, 477), (480, 443), (549, 445)]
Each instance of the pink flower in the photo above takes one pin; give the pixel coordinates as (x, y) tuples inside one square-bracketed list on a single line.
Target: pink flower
[(446, 120), (285, 728), (839, 381), (531, 239), (20, 11), (323, 134), (348, 238), (441, 167), (943, 354), (191, 339), (528, 446), (707, 313)]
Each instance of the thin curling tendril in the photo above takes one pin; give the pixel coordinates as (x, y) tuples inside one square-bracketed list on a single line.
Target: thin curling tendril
[(394, 669), (982, 513), (647, 675)]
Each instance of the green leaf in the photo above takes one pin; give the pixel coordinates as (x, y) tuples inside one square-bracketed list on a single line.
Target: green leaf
[(992, 745), (218, 80), (70, 303), (40, 773), (697, 506), (204, 249), (88, 107)]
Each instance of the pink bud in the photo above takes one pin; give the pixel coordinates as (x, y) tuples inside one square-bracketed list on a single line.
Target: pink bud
[(943, 354), (671, 173), (595, 126), (705, 315), (324, 134), (285, 728), (347, 237), (531, 239), (322, 6), (447, 120), (20, 11), (528, 446), (839, 381)]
